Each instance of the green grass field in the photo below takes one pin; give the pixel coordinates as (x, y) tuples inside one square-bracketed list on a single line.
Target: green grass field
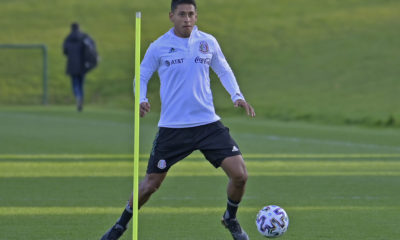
[(330, 65), (65, 175), (325, 61)]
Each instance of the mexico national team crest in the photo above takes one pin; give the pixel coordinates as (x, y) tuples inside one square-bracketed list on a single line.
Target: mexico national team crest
[(162, 164), (204, 47)]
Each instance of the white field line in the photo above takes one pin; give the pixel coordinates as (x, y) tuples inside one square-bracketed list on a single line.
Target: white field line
[(197, 156), (320, 142), (20, 210), (206, 174), (189, 168)]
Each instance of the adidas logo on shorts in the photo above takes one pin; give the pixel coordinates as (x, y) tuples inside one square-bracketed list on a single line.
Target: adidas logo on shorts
[(235, 149)]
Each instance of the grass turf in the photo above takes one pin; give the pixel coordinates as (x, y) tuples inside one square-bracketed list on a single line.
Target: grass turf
[(65, 175), (329, 61)]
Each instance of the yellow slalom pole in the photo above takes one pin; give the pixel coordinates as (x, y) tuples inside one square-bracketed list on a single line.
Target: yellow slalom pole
[(136, 137)]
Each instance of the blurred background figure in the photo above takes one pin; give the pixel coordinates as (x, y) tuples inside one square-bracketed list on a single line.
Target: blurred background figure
[(81, 53)]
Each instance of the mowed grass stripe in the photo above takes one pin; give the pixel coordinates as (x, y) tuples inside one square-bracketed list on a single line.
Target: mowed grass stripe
[(13, 211), (200, 168), (196, 156)]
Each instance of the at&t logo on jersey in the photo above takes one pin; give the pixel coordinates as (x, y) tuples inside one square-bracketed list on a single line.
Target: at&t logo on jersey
[(172, 62)]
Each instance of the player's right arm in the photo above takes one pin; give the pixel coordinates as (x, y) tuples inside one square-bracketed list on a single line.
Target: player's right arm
[(149, 65), (144, 108)]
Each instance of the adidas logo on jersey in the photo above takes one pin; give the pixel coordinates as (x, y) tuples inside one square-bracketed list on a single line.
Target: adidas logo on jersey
[(235, 149)]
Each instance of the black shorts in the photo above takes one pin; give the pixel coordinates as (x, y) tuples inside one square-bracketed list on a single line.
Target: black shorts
[(174, 144)]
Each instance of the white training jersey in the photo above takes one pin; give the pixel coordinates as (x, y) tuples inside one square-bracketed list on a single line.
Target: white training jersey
[(183, 67)]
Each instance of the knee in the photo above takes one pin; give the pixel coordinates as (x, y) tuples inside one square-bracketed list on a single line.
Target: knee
[(149, 187), (240, 179)]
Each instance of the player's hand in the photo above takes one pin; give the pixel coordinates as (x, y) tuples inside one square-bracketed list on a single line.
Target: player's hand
[(249, 109), (144, 108)]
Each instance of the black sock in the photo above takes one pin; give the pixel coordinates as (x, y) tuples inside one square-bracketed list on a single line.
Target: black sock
[(125, 217), (231, 209)]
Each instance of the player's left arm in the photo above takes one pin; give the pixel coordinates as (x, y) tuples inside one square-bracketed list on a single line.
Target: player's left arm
[(228, 80), (249, 109)]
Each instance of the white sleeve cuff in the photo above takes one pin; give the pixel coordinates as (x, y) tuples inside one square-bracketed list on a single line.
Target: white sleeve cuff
[(237, 96)]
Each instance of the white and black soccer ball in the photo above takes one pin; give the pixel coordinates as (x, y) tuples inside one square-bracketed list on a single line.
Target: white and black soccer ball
[(272, 221)]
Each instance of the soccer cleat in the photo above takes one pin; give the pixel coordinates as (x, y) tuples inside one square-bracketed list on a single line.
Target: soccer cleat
[(234, 228), (114, 233)]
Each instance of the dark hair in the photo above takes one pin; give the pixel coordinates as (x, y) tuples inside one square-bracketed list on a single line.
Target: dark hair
[(74, 26), (175, 3)]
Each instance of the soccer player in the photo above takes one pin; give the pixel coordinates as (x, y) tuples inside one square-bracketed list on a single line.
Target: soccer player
[(188, 121)]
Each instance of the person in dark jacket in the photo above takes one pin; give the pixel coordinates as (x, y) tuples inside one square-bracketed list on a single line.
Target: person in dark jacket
[(74, 50)]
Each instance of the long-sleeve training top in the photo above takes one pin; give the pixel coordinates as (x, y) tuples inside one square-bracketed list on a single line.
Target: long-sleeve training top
[(183, 67)]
